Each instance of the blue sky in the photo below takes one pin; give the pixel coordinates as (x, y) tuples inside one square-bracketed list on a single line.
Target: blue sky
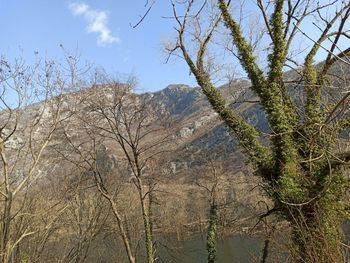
[(100, 30)]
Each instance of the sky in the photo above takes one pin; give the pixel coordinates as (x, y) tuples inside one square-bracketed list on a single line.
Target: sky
[(101, 31)]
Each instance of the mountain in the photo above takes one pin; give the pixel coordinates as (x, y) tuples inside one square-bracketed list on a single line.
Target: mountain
[(197, 134), (200, 132)]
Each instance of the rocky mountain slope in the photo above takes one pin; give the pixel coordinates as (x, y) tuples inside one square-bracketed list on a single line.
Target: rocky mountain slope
[(197, 132), (200, 133)]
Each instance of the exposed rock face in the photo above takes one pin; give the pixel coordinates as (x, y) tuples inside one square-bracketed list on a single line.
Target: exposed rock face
[(14, 142), (204, 120), (185, 132)]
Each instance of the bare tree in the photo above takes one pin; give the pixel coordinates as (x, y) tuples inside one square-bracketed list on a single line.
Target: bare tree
[(25, 132), (129, 121), (86, 216), (125, 123), (302, 165)]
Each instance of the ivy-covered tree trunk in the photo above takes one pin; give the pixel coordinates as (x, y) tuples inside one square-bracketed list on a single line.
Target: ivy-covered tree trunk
[(316, 226), (301, 166), (212, 233)]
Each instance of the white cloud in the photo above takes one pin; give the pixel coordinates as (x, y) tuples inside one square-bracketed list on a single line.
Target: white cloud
[(96, 22)]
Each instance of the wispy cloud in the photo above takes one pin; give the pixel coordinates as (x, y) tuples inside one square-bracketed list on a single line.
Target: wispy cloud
[(97, 22)]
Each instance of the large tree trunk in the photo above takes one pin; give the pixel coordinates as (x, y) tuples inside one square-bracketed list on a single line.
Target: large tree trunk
[(316, 233)]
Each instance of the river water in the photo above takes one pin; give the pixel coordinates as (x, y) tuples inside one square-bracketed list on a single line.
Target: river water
[(232, 249)]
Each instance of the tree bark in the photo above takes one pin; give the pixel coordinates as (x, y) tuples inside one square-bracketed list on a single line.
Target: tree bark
[(212, 233)]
